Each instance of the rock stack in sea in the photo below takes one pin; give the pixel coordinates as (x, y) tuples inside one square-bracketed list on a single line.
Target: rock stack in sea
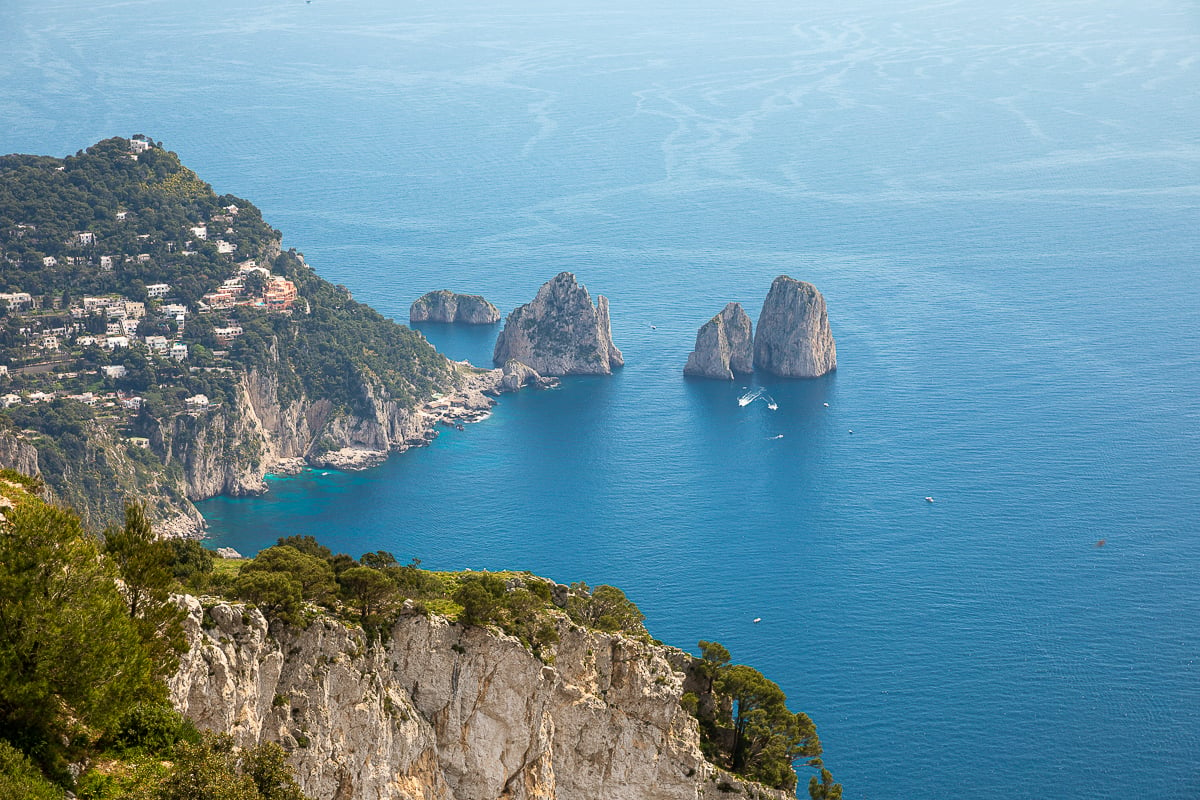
[(793, 338), (724, 346), (446, 306), (560, 332)]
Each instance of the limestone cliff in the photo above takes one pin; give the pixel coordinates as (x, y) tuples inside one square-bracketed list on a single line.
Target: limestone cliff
[(793, 338), (560, 332), (446, 306), (447, 712), (723, 346), (16, 453)]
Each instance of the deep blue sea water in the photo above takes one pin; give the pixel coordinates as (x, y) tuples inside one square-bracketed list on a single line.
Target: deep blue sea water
[(999, 202)]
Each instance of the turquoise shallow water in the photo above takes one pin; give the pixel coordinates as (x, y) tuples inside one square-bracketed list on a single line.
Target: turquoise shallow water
[(1000, 206)]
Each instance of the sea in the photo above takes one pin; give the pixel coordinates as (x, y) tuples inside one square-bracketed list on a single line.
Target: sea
[(999, 202)]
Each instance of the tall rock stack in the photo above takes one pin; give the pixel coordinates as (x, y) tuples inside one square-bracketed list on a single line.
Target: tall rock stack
[(446, 306), (723, 346), (793, 338), (560, 332)]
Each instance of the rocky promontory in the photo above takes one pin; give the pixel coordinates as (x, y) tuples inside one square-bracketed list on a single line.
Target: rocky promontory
[(793, 338), (560, 332), (446, 306), (724, 346), (437, 710)]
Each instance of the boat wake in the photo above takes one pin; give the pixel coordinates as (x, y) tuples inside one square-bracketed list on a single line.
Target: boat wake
[(750, 397)]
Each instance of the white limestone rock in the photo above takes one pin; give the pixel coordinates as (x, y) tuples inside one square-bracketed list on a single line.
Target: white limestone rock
[(724, 346), (793, 338), (560, 332)]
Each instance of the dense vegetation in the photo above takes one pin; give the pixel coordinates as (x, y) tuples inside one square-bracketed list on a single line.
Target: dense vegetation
[(82, 665), (110, 222)]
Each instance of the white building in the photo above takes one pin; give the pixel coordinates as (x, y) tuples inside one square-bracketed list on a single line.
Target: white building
[(114, 371), (11, 400), (113, 342), (128, 328), (106, 263), (224, 247), (197, 401), (49, 261), (158, 289), (158, 344), (179, 351), (86, 237), (200, 232)]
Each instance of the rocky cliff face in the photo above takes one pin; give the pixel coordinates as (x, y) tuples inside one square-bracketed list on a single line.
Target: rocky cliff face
[(793, 338), (447, 712), (723, 346), (446, 306), (560, 332), (18, 454)]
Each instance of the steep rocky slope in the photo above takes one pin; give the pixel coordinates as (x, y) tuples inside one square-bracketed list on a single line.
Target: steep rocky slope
[(793, 338), (442, 711), (560, 332), (724, 347)]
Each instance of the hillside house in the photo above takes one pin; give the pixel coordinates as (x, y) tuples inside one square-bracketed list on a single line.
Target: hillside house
[(17, 301), (225, 248), (228, 334), (196, 401), (156, 290), (280, 294), (200, 232), (49, 261), (114, 371), (106, 263), (179, 351), (115, 342), (85, 238), (158, 344)]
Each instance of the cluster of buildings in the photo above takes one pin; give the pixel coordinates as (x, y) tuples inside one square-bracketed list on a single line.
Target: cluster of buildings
[(278, 294)]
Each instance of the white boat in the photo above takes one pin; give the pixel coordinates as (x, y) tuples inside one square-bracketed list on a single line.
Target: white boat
[(928, 499)]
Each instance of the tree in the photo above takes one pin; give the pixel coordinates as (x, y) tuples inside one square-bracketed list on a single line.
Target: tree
[(745, 722), (367, 589), (604, 608), (144, 566), (255, 282), (266, 766), (276, 594), (313, 574), (71, 657), (142, 562), (825, 788)]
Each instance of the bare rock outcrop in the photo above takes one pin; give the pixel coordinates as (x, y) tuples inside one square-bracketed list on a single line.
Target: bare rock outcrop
[(793, 338), (724, 346), (442, 711), (446, 306), (18, 454), (516, 376), (560, 332)]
